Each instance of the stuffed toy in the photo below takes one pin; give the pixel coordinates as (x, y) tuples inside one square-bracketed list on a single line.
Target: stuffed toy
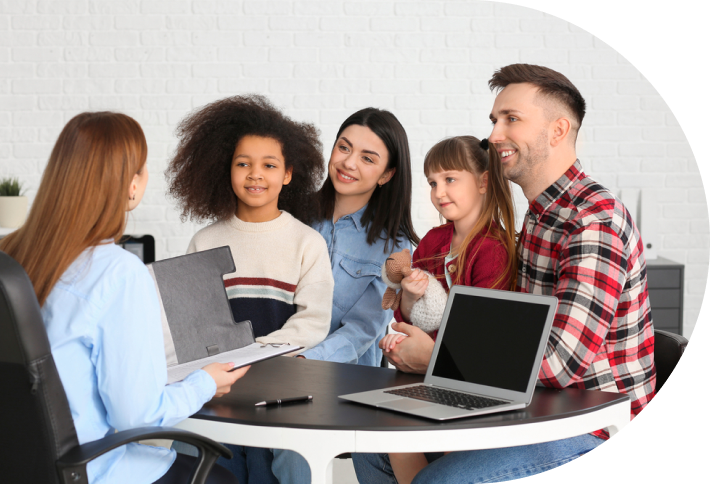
[(426, 313)]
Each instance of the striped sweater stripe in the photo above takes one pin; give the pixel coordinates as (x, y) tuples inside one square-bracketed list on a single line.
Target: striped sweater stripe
[(259, 281), (256, 287)]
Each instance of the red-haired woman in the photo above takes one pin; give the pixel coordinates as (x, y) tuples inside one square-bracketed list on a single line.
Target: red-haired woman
[(99, 303)]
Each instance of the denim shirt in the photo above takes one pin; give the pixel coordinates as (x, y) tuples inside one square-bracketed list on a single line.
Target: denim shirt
[(358, 321)]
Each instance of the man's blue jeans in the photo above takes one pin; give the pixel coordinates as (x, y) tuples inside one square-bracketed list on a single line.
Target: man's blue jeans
[(290, 467), (249, 464), (475, 466)]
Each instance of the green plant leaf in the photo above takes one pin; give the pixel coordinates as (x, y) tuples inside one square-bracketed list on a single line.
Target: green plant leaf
[(10, 187)]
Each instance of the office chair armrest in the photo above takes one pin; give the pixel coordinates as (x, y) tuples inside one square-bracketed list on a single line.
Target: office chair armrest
[(72, 465)]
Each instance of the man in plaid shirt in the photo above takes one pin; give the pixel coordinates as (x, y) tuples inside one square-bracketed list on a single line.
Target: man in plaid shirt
[(578, 243)]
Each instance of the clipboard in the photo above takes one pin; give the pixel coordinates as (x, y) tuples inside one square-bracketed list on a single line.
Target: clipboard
[(241, 357), (196, 317)]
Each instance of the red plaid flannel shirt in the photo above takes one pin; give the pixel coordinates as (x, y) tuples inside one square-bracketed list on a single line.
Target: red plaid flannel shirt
[(579, 243)]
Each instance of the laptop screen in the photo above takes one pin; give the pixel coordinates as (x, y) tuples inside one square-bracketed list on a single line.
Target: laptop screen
[(490, 342)]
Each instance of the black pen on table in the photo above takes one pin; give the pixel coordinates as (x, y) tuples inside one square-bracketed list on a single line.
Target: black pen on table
[(269, 403)]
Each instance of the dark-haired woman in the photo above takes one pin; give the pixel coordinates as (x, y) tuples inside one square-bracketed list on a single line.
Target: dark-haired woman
[(365, 215)]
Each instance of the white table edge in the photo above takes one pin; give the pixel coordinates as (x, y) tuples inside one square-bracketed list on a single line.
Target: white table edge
[(319, 447)]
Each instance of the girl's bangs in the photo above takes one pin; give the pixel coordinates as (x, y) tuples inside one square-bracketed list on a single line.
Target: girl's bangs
[(447, 155)]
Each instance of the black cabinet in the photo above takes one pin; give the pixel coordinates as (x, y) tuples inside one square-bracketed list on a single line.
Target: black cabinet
[(665, 290)]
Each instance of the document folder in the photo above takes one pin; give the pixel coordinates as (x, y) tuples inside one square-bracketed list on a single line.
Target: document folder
[(196, 316)]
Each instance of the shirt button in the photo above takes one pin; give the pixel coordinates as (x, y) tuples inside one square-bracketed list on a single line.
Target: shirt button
[(525, 269), (452, 268), (358, 272)]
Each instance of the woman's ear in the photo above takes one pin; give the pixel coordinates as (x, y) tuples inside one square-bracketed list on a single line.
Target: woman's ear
[(386, 176), (483, 183), (288, 175), (133, 187)]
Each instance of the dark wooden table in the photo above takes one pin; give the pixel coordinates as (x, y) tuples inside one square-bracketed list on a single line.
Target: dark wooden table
[(328, 426)]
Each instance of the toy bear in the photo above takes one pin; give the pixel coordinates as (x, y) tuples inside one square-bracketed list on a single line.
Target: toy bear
[(426, 313)]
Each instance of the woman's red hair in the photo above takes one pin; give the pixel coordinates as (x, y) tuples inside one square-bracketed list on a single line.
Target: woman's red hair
[(82, 198)]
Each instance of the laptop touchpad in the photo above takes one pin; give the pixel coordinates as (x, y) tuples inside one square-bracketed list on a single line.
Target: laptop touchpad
[(406, 404)]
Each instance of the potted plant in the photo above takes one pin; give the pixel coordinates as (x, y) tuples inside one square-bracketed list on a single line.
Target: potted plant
[(13, 205)]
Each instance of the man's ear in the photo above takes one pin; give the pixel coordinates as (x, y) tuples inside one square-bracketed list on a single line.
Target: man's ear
[(560, 131), (386, 176), (288, 175), (483, 183)]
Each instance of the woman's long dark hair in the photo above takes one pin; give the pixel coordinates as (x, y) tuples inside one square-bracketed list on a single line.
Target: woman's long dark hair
[(389, 208)]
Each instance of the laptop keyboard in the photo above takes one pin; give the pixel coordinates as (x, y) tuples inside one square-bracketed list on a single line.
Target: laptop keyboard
[(446, 397)]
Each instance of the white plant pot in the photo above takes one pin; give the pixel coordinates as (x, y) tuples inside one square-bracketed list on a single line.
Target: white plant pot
[(13, 211)]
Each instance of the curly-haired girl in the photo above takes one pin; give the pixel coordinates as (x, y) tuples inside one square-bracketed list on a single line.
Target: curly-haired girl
[(253, 172)]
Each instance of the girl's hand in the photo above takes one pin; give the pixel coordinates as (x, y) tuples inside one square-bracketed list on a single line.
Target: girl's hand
[(413, 288), (223, 378), (413, 355), (388, 342), (415, 284)]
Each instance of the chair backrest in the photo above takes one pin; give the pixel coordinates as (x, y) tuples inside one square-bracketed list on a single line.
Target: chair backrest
[(143, 246), (37, 426), (669, 347)]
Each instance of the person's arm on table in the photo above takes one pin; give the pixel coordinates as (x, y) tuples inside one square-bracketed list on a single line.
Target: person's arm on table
[(413, 353), (359, 329), (591, 279), (130, 362)]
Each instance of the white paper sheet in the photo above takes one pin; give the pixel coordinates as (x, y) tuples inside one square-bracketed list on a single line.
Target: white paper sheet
[(240, 357)]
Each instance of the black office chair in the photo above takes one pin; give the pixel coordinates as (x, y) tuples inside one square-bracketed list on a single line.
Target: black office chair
[(38, 442), (142, 246), (669, 347)]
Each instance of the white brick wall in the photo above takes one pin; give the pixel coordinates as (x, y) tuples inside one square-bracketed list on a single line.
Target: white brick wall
[(426, 61)]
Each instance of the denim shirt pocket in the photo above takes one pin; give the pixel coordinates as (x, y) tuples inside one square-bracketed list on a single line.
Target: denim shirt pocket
[(354, 278)]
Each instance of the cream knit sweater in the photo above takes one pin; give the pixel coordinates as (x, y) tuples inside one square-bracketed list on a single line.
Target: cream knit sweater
[(283, 282)]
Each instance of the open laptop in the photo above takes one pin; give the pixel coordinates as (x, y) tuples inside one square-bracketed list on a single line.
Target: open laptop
[(486, 358)]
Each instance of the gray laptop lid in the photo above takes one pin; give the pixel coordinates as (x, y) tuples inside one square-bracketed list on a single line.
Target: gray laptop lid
[(197, 318), (491, 342)]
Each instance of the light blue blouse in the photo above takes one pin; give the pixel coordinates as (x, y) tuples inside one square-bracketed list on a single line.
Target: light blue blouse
[(103, 324), (358, 321)]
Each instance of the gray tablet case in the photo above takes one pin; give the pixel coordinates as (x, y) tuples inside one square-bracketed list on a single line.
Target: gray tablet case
[(197, 319)]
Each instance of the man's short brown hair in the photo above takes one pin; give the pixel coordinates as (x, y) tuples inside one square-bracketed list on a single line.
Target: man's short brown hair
[(550, 83)]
